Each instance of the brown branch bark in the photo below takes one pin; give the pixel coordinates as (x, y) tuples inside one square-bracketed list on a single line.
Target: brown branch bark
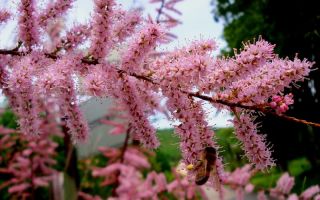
[(123, 151), (160, 11)]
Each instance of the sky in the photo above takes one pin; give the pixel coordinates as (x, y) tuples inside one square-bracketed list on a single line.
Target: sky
[(197, 23)]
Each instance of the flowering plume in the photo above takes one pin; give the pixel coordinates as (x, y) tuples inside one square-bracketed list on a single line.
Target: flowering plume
[(102, 20), (254, 144), (54, 10), (140, 126), (28, 30)]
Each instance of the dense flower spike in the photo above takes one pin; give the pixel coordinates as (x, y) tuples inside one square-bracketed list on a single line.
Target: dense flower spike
[(126, 24), (102, 21), (20, 83), (247, 61), (54, 10), (74, 37), (138, 49), (270, 79), (95, 82), (140, 125), (254, 144), (194, 135), (28, 26), (187, 66)]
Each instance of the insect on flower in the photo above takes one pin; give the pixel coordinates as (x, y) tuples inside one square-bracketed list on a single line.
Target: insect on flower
[(206, 166)]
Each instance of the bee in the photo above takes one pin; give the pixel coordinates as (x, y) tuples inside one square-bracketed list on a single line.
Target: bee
[(206, 166)]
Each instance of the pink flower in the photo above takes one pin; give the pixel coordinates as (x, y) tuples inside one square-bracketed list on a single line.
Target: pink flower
[(284, 186)]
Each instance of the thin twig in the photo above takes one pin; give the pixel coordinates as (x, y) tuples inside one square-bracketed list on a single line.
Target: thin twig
[(125, 145), (32, 177), (69, 155), (123, 151), (160, 11)]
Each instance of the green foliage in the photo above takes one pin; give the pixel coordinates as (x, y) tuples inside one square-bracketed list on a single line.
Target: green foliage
[(8, 119), (168, 155), (266, 180), (298, 166), (233, 155), (90, 184)]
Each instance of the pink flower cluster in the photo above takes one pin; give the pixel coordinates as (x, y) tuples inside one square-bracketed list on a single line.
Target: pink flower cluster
[(284, 186), (128, 178), (57, 85), (224, 71), (140, 126), (127, 22), (30, 165), (239, 179), (144, 42), (74, 37), (268, 80), (280, 103), (54, 10)]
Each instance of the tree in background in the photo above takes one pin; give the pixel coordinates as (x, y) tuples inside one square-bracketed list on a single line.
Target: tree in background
[(293, 26)]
